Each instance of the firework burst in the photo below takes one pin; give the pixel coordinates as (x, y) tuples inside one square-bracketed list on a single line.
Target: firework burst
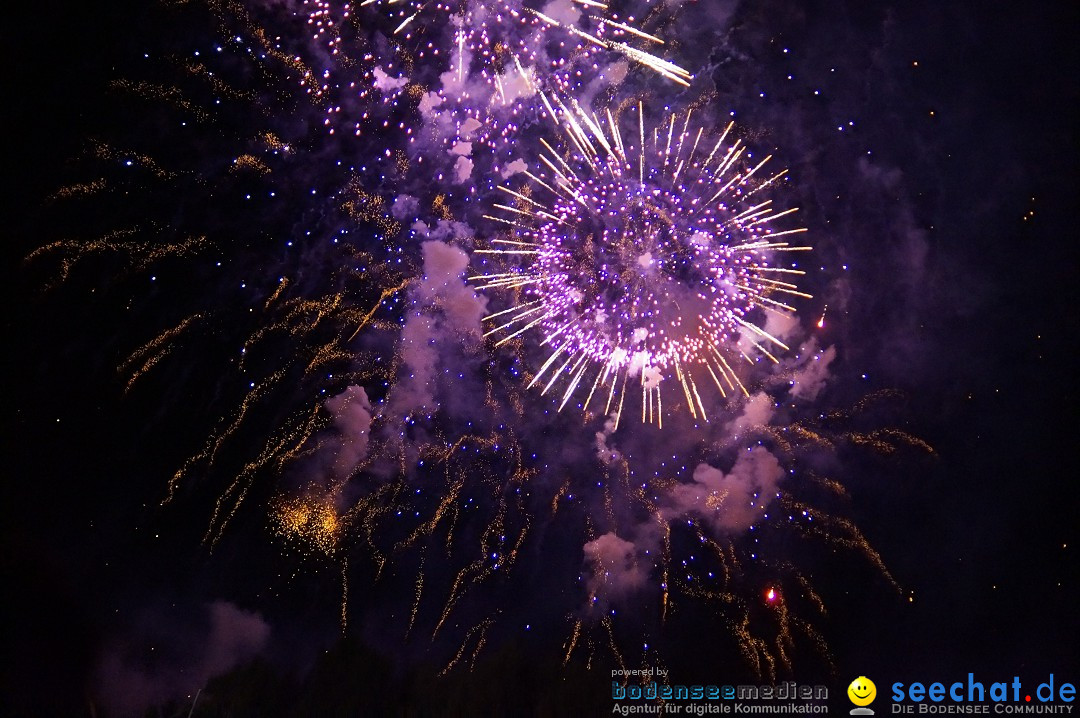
[(510, 35), (653, 257)]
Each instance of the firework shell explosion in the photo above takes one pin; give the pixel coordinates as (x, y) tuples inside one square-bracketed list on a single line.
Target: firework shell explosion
[(645, 259), (488, 37), (474, 69), (390, 430)]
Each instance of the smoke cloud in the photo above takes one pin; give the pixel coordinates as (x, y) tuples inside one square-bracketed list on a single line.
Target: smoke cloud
[(352, 417), (445, 310), (161, 659), (732, 502), (615, 569)]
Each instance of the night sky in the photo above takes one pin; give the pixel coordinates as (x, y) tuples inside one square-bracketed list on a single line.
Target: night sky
[(158, 183)]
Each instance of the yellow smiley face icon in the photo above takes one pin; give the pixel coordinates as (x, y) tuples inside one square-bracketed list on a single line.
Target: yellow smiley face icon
[(862, 691)]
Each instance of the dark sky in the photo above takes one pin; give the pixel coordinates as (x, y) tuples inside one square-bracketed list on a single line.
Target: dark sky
[(951, 198)]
